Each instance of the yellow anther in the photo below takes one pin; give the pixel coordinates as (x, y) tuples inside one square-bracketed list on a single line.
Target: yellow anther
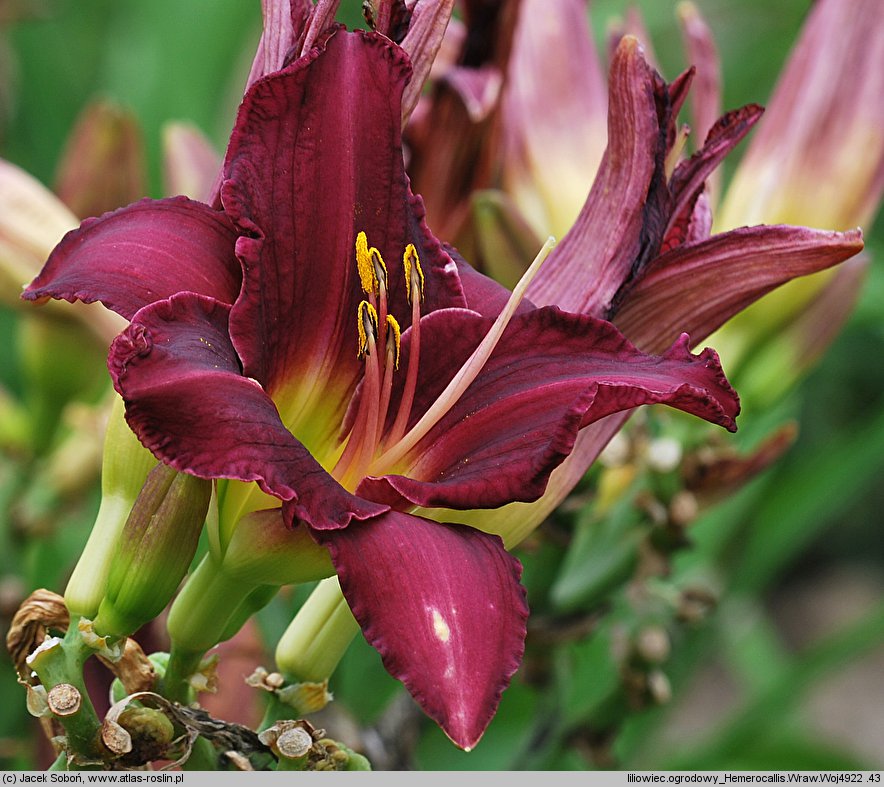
[(365, 265), (367, 325), (393, 335), (380, 267), (414, 276)]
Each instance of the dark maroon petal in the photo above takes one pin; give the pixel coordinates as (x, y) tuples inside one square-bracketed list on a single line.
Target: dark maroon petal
[(689, 176), (443, 606), (514, 522), (692, 225), (586, 269), (551, 374), (426, 29), (142, 253), (188, 402), (315, 158), (698, 287)]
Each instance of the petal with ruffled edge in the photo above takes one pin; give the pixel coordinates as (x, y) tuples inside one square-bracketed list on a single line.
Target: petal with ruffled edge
[(552, 374), (698, 287), (443, 606), (188, 402), (142, 253), (588, 266), (314, 159), (690, 176)]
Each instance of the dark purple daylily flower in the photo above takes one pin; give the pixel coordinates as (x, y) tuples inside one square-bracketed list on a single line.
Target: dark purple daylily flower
[(270, 342)]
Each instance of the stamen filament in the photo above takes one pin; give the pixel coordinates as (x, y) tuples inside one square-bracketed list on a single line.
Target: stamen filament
[(466, 374), (392, 362), (382, 317), (361, 443), (398, 428), (372, 392)]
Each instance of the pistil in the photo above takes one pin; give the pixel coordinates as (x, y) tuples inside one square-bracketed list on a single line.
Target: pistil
[(464, 376)]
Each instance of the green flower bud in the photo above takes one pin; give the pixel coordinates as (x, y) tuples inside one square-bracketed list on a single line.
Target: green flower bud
[(125, 466), (155, 550), (318, 636)]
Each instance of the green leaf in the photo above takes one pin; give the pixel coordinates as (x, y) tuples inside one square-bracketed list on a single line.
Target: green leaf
[(601, 558)]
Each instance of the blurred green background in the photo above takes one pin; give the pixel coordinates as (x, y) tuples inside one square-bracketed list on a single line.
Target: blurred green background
[(764, 646)]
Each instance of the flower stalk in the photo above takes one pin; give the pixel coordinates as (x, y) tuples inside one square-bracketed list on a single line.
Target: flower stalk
[(59, 662)]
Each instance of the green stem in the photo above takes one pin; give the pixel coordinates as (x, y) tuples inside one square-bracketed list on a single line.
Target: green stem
[(182, 664), (275, 711), (200, 614), (199, 619), (203, 757), (63, 663), (291, 763)]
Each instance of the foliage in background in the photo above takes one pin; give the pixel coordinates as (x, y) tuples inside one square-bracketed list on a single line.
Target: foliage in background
[(609, 658)]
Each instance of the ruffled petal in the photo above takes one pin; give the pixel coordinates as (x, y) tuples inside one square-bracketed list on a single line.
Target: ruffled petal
[(552, 374), (690, 176), (698, 287), (188, 402), (443, 606), (143, 253), (315, 158), (586, 269)]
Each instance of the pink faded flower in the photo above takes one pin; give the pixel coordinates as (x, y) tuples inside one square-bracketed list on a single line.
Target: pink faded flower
[(641, 250)]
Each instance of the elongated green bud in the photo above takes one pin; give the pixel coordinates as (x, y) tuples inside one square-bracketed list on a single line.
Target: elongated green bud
[(155, 550), (124, 468), (318, 636)]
